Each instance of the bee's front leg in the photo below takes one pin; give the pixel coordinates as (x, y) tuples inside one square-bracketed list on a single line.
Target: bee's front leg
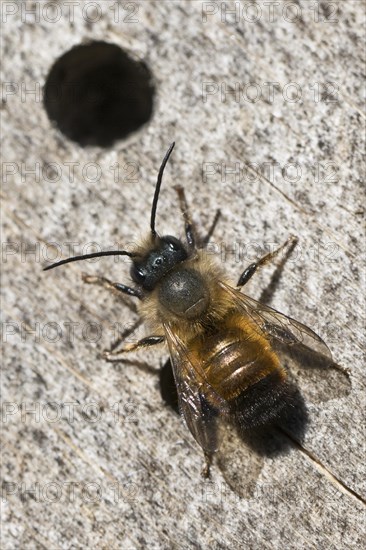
[(252, 268), (120, 290), (106, 283), (190, 230)]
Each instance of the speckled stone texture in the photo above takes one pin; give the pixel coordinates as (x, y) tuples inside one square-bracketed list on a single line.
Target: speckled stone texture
[(265, 102)]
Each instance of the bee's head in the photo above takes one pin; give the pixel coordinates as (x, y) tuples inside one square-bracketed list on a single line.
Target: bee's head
[(148, 269)]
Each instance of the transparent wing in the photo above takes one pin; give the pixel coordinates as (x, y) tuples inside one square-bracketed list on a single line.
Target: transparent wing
[(277, 325), (198, 402), (298, 348)]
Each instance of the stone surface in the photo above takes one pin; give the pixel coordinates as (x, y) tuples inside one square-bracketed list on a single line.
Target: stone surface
[(91, 457)]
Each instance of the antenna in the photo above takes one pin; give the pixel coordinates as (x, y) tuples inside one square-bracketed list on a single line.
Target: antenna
[(157, 188), (92, 255), (123, 252)]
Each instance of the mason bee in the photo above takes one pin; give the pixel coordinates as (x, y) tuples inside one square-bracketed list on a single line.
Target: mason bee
[(230, 354)]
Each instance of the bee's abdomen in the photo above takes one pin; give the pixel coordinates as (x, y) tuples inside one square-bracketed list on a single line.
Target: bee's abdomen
[(236, 363), (245, 371)]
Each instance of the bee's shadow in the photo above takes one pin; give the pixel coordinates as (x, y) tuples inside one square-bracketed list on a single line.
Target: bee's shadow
[(267, 441)]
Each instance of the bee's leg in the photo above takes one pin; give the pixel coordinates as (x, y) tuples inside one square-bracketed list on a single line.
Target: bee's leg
[(204, 242), (125, 334), (252, 268), (109, 285), (145, 342), (189, 227), (205, 472), (116, 288), (190, 233), (168, 388)]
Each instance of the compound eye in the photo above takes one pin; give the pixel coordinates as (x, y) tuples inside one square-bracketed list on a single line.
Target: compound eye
[(139, 274), (173, 246), (173, 243)]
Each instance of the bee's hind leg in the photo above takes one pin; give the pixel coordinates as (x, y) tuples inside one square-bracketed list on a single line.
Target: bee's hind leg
[(205, 472), (252, 268)]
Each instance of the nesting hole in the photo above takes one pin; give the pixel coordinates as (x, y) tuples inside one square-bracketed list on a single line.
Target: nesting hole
[(96, 94)]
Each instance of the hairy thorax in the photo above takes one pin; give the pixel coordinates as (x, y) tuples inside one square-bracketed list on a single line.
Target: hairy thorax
[(188, 297)]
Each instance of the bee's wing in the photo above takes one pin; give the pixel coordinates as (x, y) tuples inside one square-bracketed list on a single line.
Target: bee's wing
[(198, 402), (278, 326), (297, 346)]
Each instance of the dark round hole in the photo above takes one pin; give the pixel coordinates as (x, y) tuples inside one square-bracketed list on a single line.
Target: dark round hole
[(97, 94)]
